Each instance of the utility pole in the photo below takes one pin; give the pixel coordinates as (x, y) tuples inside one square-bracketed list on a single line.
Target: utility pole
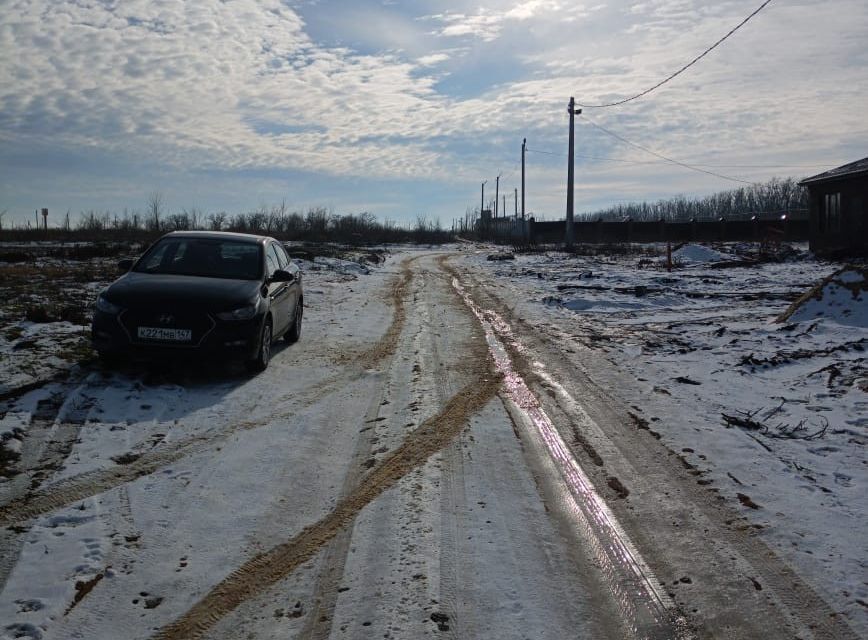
[(515, 202), (571, 109), (496, 191), (523, 149), (482, 200), (504, 205)]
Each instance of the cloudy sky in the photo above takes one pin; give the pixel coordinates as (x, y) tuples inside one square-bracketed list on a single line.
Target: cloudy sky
[(404, 108)]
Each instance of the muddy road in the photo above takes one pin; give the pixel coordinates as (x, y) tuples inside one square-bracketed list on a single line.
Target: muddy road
[(422, 464)]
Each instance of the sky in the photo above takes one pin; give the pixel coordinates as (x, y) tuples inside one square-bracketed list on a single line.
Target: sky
[(403, 109)]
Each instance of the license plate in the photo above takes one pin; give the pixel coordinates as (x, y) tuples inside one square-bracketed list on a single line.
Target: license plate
[(169, 335)]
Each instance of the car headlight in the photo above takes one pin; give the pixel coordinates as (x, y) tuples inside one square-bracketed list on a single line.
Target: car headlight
[(105, 306), (242, 313)]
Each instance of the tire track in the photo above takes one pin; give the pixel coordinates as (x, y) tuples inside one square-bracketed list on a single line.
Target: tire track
[(267, 568), (92, 483), (462, 622), (790, 607), (644, 605), (318, 624), (386, 345), (54, 428), (89, 484)]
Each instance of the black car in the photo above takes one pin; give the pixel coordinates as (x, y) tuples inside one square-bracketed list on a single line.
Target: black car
[(201, 292)]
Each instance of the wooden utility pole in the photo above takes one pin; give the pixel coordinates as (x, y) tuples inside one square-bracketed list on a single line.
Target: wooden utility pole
[(523, 149), (515, 201), (482, 200), (570, 235), (496, 191)]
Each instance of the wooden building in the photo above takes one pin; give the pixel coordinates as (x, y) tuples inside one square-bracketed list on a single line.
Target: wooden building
[(838, 201)]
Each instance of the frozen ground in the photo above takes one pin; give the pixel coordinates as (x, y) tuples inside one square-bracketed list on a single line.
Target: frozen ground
[(772, 414), (435, 459)]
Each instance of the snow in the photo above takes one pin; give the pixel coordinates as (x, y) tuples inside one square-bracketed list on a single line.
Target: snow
[(685, 347), (143, 537), (843, 299), (158, 543), (697, 253)]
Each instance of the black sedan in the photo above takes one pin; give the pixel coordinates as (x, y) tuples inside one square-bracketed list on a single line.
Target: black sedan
[(196, 292)]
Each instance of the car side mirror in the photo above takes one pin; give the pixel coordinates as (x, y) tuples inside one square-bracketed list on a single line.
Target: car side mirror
[(282, 276), (125, 265)]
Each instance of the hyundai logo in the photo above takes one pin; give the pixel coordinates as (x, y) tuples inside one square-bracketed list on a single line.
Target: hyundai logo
[(166, 318)]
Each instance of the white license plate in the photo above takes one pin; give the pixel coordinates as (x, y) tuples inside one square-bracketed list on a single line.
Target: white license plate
[(170, 335)]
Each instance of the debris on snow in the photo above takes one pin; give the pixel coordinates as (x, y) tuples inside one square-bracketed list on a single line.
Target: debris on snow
[(841, 297)]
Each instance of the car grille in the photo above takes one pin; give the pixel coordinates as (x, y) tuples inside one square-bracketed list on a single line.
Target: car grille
[(200, 324)]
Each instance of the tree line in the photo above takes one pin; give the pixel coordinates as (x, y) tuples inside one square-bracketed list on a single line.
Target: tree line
[(773, 198), (316, 224)]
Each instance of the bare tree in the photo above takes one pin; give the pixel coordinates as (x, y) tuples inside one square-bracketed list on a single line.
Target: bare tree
[(195, 217), (216, 221), (156, 204)]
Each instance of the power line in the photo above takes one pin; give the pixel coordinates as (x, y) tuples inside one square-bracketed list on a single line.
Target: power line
[(771, 166), (661, 156), (707, 166), (548, 153), (682, 69)]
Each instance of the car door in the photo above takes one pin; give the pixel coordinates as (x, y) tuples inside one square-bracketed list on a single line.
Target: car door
[(278, 292), (295, 286)]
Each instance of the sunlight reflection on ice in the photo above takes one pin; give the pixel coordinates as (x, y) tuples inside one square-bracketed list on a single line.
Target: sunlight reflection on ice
[(647, 610)]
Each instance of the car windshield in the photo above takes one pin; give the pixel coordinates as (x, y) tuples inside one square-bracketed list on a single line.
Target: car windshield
[(205, 257)]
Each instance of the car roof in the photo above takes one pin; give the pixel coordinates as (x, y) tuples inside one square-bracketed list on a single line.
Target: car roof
[(220, 235)]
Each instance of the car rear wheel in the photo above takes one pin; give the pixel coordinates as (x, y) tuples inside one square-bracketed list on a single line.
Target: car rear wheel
[(263, 356), (294, 332)]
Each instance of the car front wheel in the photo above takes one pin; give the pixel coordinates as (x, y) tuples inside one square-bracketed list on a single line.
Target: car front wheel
[(260, 362), (294, 332)]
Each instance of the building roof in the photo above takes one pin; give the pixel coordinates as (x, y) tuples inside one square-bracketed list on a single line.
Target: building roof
[(844, 171)]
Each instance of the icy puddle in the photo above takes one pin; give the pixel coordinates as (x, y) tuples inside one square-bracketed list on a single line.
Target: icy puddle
[(647, 610)]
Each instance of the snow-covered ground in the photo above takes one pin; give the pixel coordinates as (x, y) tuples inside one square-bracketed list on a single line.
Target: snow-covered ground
[(770, 407), (167, 429), (378, 481)]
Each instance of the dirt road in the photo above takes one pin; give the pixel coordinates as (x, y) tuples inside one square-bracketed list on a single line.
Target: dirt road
[(409, 469)]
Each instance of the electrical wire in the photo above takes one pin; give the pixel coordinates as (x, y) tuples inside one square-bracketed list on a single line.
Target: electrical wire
[(661, 156), (548, 153), (682, 69), (707, 166)]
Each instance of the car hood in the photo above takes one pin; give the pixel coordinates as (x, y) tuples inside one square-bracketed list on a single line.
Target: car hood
[(145, 290)]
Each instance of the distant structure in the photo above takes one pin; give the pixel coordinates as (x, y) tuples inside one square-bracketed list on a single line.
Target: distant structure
[(838, 203)]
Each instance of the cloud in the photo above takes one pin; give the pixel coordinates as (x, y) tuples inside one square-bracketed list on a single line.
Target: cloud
[(487, 24), (433, 59), (213, 86), (485, 27), (181, 81)]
